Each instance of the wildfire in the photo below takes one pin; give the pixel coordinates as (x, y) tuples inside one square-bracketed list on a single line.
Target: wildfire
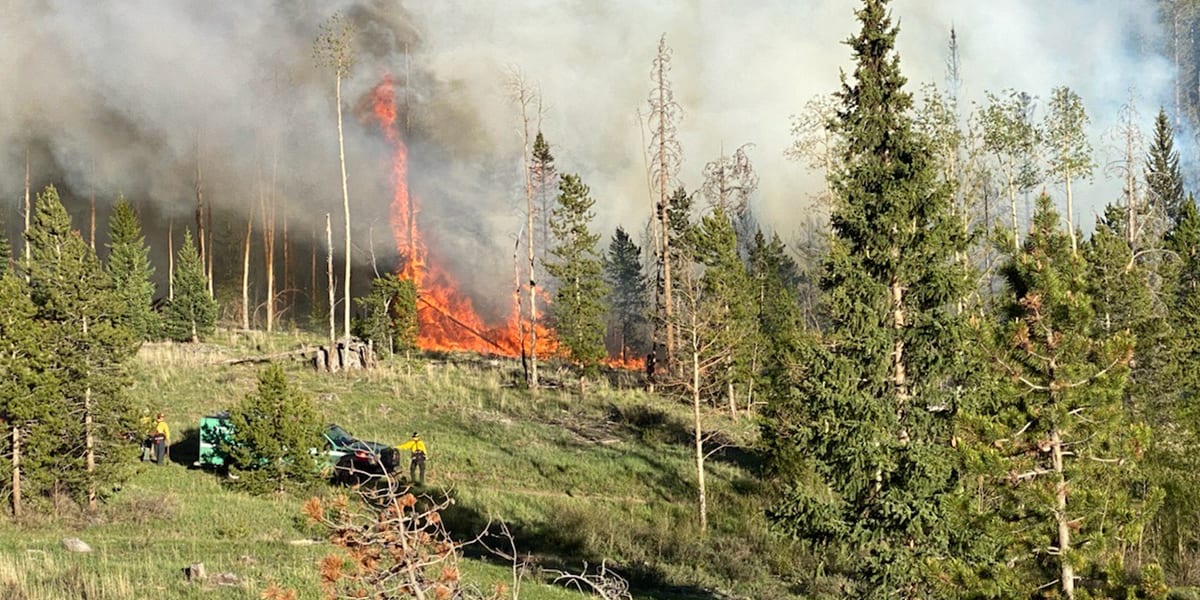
[(447, 319)]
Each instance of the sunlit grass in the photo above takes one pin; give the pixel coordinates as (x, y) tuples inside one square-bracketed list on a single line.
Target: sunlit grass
[(606, 476)]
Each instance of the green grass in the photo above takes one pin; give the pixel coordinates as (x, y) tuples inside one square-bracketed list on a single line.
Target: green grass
[(607, 476)]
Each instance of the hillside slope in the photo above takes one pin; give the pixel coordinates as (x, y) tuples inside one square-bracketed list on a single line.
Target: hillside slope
[(602, 476)]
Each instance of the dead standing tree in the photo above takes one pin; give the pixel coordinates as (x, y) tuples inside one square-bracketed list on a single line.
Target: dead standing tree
[(334, 48), (666, 156), (527, 99)]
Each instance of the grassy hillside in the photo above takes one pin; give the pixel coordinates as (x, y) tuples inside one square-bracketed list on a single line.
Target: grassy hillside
[(603, 476)]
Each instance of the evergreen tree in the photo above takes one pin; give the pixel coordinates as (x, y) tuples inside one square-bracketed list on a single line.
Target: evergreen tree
[(131, 272), (775, 286), (1055, 463), (1172, 461), (192, 313), (274, 429), (1163, 178), (627, 299), (32, 408), (544, 178), (859, 440), (81, 313), (6, 256), (727, 299), (391, 315), (578, 309)]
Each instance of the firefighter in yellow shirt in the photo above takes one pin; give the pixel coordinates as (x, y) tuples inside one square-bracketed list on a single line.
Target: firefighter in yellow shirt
[(160, 438), (417, 447)]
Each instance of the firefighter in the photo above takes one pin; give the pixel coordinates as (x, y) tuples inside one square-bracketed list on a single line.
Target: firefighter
[(417, 447), (160, 437)]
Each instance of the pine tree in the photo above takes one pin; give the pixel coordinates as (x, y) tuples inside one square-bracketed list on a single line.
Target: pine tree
[(192, 313), (859, 434), (391, 315), (80, 311), (1056, 460), (1163, 178), (6, 257), (627, 299), (131, 272), (32, 407), (727, 299), (578, 309), (274, 429), (1172, 461), (545, 179)]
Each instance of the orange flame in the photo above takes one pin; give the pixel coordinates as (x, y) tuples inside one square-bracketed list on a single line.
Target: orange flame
[(447, 319)]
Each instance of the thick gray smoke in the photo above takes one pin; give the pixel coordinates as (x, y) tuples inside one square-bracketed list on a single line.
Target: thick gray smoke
[(129, 97)]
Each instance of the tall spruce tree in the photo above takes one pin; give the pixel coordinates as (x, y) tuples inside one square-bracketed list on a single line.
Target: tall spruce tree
[(32, 409), (81, 313), (192, 313), (1163, 179), (861, 441), (578, 309), (1054, 460), (131, 272), (391, 315), (1172, 460), (628, 297)]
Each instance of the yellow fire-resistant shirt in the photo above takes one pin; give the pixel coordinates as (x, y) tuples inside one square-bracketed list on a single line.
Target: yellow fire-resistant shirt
[(414, 445), (161, 428)]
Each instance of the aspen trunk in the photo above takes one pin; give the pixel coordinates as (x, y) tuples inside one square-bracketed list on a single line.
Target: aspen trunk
[(329, 274), (533, 314), (170, 259), (246, 271), (701, 492), (1070, 216), (346, 212), (28, 208), (89, 446), (1012, 200), (211, 255), (899, 322), (201, 239), (89, 440), (267, 208), (16, 472), (1067, 573)]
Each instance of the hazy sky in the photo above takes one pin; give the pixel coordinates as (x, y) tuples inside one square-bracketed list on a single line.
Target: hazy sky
[(118, 97)]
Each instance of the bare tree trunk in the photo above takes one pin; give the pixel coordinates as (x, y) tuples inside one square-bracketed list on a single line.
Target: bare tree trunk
[(92, 204), (89, 445), (345, 211), (246, 270), (89, 440), (28, 213), (517, 305), (329, 274), (702, 495), (312, 274), (1067, 573), (16, 472), (288, 272), (665, 223), (201, 238), (899, 373), (1070, 215), (170, 259), (211, 255), (523, 97), (1012, 200), (267, 208)]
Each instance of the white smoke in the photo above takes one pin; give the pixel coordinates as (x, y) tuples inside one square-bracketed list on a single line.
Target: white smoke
[(112, 98)]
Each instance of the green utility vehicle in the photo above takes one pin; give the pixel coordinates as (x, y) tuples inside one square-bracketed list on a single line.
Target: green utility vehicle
[(347, 457)]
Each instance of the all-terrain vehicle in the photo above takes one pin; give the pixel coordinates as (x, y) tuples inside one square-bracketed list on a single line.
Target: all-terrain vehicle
[(347, 458)]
